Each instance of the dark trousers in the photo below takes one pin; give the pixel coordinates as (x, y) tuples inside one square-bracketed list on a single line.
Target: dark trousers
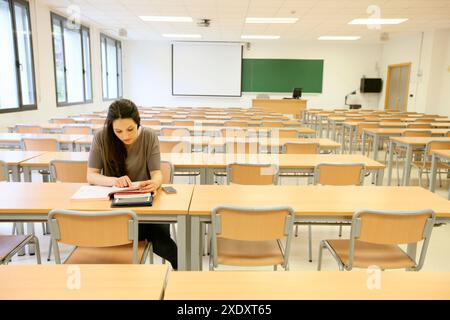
[(159, 236)]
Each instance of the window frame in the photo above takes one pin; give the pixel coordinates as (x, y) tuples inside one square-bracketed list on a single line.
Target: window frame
[(21, 107), (63, 20), (118, 44)]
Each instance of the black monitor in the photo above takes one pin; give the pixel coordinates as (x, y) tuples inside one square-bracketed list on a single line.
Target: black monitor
[(297, 93)]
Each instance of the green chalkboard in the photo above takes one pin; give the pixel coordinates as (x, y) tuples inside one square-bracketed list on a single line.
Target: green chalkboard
[(281, 75)]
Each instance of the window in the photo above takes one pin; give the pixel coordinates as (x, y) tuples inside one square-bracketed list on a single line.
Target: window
[(72, 61), (111, 68), (17, 85)]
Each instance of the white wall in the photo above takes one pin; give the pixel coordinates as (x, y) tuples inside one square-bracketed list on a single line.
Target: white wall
[(147, 73), (44, 73), (429, 54)]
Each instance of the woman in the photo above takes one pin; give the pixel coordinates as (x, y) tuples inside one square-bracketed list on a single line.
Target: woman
[(123, 153)]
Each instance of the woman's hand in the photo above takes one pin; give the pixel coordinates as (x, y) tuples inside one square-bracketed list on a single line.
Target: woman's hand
[(123, 182), (148, 186)]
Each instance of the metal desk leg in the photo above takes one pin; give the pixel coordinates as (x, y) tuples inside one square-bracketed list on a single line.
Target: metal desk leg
[(20, 231), (15, 173), (380, 176), (203, 176), (27, 174), (376, 145), (182, 243), (411, 250), (391, 158), (363, 144), (407, 168), (434, 161), (196, 255), (30, 230), (350, 146), (343, 140)]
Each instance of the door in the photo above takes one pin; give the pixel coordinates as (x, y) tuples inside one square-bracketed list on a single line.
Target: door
[(397, 87)]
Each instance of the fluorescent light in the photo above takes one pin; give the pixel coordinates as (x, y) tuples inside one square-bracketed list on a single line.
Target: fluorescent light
[(173, 35), (377, 21), (271, 20), (246, 36), (166, 19), (339, 38)]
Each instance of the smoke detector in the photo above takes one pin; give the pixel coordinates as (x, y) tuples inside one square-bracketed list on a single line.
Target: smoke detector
[(204, 23), (123, 32), (384, 36)]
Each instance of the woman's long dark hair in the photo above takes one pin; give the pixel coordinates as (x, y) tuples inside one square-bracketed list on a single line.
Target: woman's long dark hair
[(115, 152)]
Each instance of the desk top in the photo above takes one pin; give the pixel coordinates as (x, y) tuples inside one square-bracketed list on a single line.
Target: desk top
[(418, 141), (262, 285), (16, 157), (45, 158), (387, 131), (443, 153), (16, 137), (318, 200), (40, 198), (99, 282), (305, 161)]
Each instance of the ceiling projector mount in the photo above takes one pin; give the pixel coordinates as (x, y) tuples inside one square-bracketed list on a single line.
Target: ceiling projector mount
[(203, 23)]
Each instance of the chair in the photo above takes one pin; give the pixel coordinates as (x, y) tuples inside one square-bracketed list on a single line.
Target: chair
[(174, 147), (418, 125), (334, 174), (400, 153), (12, 244), (97, 121), (98, 237), (68, 171), (236, 147), (27, 128), (272, 124), (40, 144), (252, 174), (4, 173), (301, 148), (448, 134), (235, 124), (175, 132), (63, 120), (251, 236), (184, 123), (425, 164), (77, 129), (360, 130), (150, 122), (375, 236), (233, 133), (167, 171), (285, 133)]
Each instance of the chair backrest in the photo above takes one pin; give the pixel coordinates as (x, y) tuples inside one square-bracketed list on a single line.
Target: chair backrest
[(276, 124), (93, 229), (235, 124), (425, 120), (392, 227), (233, 133), (419, 125), (38, 144), (23, 128), (417, 133), (167, 172), (77, 130), (150, 122), (63, 121), (185, 123), (252, 174), (234, 147), (97, 121), (436, 145), (175, 132), (3, 171), (68, 171), (448, 134), (339, 174), (363, 126), (252, 224), (285, 133), (174, 147), (301, 148)]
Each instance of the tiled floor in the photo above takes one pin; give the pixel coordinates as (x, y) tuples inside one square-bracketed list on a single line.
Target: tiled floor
[(438, 256)]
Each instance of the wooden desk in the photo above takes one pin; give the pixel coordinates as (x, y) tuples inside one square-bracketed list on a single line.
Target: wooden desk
[(284, 106), (379, 133), (32, 202), (207, 164), (95, 282), (42, 161), (438, 155), (296, 285), (409, 143), (316, 203), (14, 139), (14, 158)]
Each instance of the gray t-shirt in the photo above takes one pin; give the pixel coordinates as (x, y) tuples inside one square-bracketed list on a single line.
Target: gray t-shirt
[(142, 158)]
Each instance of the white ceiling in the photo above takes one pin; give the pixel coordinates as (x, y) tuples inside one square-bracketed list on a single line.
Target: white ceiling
[(316, 17)]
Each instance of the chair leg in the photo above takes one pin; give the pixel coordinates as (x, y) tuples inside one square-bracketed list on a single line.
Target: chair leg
[(296, 230), (398, 169), (275, 267), (340, 230), (174, 232), (49, 250), (420, 177), (310, 242), (13, 231), (319, 262), (37, 249)]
